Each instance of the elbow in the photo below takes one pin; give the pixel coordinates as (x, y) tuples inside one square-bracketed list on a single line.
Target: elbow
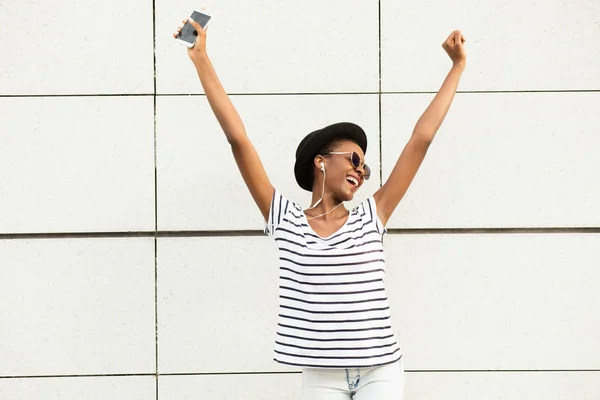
[(423, 139)]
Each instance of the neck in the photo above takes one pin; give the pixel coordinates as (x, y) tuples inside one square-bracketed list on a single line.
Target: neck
[(328, 208)]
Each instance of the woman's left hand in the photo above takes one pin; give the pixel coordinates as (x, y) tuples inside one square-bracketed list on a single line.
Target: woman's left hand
[(455, 48)]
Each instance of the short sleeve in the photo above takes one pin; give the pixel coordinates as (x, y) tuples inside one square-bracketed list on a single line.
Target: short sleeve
[(279, 207), (371, 208)]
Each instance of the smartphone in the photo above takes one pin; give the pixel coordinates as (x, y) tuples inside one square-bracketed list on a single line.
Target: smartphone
[(187, 35)]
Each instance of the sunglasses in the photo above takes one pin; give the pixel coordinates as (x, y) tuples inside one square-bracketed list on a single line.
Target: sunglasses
[(355, 160)]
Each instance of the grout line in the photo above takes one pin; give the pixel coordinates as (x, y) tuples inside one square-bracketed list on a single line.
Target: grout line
[(234, 373), (77, 376), (298, 93), (407, 370), (379, 94), (78, 95), (155, 206), (258, 232)]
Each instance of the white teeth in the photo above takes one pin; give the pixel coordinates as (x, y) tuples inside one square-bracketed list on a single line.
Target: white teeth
[(353, 180)]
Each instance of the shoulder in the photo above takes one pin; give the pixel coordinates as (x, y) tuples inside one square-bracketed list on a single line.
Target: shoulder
[(281, 209), (367, 211)]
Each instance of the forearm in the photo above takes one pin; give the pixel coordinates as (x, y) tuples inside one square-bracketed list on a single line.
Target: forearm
[(221, 105), (434, 115)]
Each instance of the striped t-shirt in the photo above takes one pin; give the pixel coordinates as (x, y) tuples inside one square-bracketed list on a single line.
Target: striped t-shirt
[(333, 307)]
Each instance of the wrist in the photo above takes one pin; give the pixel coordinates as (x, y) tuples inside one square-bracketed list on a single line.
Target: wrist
[(459, 65), (200, 59)]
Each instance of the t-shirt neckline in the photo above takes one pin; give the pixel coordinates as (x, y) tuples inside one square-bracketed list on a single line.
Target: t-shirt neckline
[(334, 233)]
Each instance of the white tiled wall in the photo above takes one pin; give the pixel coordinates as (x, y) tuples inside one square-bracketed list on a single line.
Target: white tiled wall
[(96, 154), (77, 306), (77, 164), (69, 47), (276, 47), (513, 45), (501, 160)]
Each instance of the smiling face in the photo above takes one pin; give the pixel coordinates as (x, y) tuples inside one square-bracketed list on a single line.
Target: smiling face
[(342, 178)]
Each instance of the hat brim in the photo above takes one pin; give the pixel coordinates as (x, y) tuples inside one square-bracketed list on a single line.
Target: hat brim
[(309, 148)]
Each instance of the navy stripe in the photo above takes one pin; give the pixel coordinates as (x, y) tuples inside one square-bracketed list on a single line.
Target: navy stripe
[(364, 212), (278, 239), (334, 340), (378, 328), (333, 302), (372, 216), (290, 241), (329, 283), (335, 348), (332, 293), (287, 203), (272, 212), (357, 237), (332, 265), (363, 244), (335, 274), (333, 321), (336, 311), (338, 235), (293, 223), (293, 233), (331, 255), (338, 357), (279, 210), (337, 366)]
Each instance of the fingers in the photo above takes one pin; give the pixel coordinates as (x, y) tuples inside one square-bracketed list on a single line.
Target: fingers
[(177, 31), (195, 25), (183, 21), (456, 37)]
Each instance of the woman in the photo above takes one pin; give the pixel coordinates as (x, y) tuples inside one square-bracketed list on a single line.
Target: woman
[(334, 319)]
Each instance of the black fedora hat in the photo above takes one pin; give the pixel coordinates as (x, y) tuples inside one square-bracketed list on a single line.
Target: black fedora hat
[(310, 146)]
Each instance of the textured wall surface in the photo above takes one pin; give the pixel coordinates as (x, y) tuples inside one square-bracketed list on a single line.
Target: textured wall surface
[(132, 264)]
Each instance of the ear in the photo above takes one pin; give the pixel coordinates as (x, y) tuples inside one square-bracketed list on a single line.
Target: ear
[(318, 160)]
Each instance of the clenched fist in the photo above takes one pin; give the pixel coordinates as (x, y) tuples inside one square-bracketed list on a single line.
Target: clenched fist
[(455, 48)]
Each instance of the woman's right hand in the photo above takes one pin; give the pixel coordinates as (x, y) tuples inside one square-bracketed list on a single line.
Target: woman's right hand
[(199, 48)]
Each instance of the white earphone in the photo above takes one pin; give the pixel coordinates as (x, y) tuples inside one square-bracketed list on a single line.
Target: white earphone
[(323, 167)]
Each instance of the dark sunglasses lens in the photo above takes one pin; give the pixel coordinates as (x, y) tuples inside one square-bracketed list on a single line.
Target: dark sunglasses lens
[(367, 174), (356, 163), (355, 159)]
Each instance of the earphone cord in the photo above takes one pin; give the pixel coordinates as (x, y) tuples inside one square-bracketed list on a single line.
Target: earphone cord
[(322, 193), (320, 215)]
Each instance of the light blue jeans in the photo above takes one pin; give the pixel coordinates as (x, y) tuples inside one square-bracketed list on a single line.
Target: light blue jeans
[(385, 382)]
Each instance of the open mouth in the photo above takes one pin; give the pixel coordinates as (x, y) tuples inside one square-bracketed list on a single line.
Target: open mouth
[(352, 181)]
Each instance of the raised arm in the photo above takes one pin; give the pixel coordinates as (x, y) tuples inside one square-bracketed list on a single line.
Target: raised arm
[(245, 154), (390, 194)]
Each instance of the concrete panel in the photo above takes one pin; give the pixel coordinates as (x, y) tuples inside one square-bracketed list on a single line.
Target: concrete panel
[(199, 184), (508, 44), (217, 304), (501, 386), (77, 164), (77, 306), (500, 160), (70, 47), (218, 387), (284, 46), (91, 388), (488, 302)]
